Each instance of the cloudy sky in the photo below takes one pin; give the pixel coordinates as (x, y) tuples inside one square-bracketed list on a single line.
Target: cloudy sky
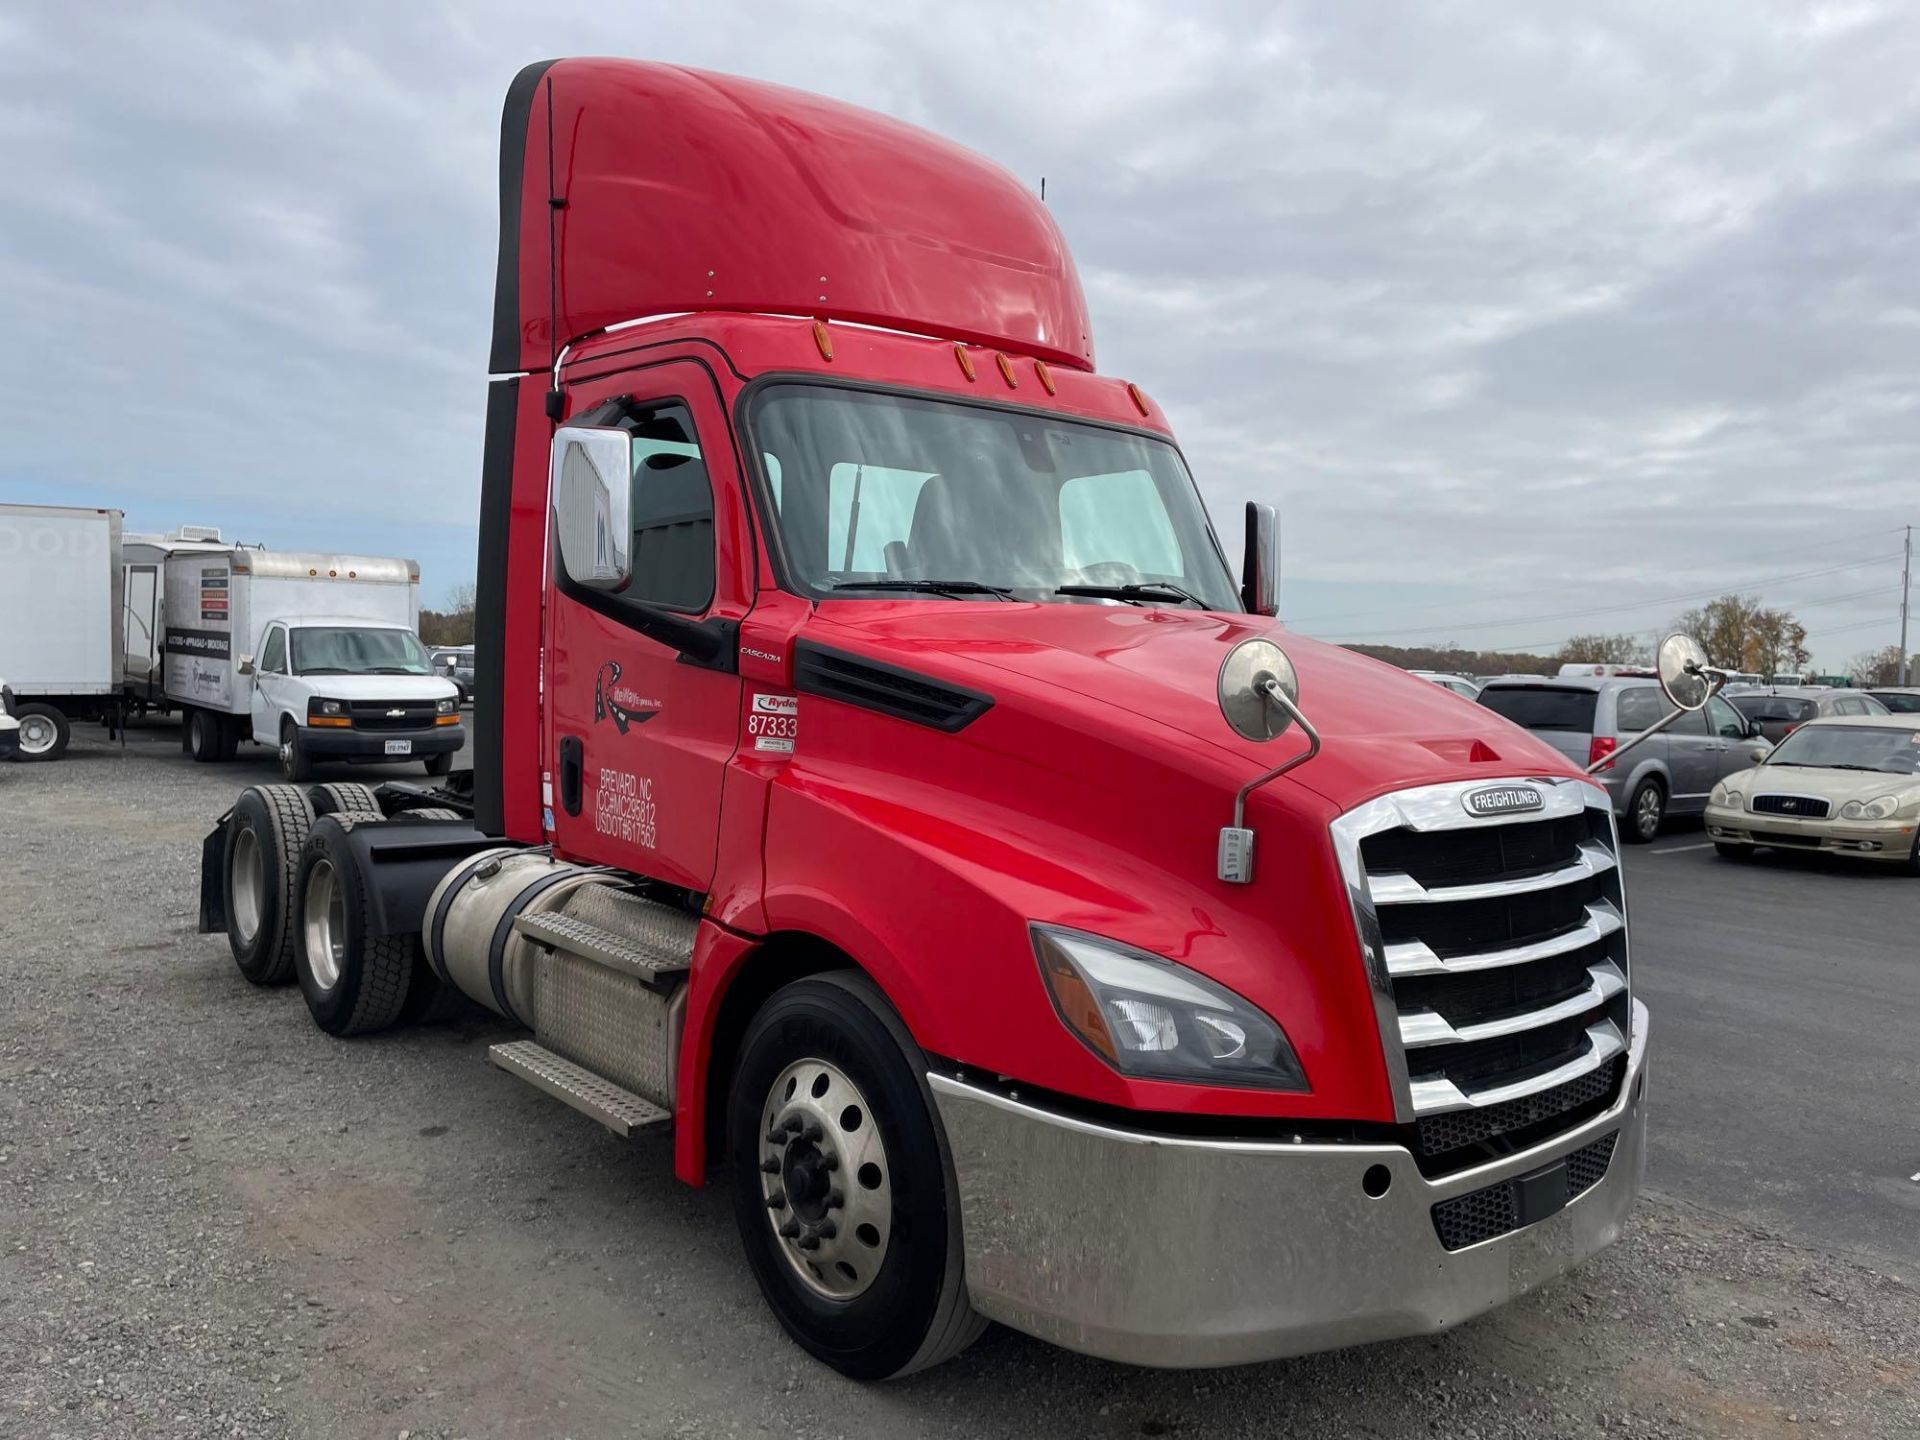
[(1532, 319)]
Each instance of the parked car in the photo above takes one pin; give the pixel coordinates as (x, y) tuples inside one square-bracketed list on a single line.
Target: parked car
[(1847, 784), (1782, 710), (1458, 684), (455, 663), (1587, 719), (1899, 699)]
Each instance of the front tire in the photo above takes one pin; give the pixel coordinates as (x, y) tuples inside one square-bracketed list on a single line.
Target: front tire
[(1732, 852), (440, 764), (294, 763), (842, 1185), (44, 732), (354, 982), (1645, 812), (265, 836)]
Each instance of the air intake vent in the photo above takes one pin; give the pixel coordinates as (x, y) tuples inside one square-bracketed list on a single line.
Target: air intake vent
[(855, 680)]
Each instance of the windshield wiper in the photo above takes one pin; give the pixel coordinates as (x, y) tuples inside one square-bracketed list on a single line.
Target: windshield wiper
[(390, 670), (1146, 590), (323, 670), (928, 587), (1870, 769)]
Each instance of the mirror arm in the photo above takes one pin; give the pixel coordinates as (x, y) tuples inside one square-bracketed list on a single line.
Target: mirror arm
[(1275, 695), (1713, 689)]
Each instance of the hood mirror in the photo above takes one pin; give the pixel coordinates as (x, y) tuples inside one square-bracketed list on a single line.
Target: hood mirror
[(1684, 671), (1260, 698), (1250, 667), (1687, 678)]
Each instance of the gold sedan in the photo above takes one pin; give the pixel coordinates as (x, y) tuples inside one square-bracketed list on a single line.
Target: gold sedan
[(1849, 785)]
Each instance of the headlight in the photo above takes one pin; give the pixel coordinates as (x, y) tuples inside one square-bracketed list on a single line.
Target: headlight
[(1881, 808), (1156, 1020), (326, 707), (1721, 795), (446, 707)]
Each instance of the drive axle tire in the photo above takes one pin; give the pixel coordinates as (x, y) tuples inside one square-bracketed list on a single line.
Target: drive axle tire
[(1645, 812), (265, 836), (44, 732), (339, 797), (842, 1185), (206, 737), (354, 983)]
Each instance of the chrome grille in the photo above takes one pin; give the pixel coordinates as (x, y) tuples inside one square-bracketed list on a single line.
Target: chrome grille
[(1807, 807), (1496, 948)]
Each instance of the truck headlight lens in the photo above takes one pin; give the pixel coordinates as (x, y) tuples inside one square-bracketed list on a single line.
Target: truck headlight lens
[(1155, 1020), (326, 707), (445, 707), (1881, 808)]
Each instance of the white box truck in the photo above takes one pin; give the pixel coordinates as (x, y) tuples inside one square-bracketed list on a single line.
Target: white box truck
[(315, 655), (60, 648)]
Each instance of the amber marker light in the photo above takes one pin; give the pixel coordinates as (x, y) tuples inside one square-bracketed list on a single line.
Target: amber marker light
[(823, 340), (1006, 372), (966, 360), (1139, 400), (1046, 377)]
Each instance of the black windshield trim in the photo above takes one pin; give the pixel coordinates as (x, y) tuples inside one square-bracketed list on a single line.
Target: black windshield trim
[(747, 402)]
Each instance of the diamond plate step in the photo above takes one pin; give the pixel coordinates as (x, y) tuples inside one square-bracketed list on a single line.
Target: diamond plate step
[(621, 1111), (653, 943)]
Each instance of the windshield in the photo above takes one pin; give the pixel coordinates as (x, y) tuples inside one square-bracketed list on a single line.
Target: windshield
[(331, 650), (1541, 707), (1851, 747), (876, 494)]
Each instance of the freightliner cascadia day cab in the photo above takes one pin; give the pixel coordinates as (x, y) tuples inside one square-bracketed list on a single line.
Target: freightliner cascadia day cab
[(882, 783), (316, 656)]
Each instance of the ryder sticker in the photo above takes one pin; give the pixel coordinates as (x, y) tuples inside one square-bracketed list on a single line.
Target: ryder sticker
[(774, 723)]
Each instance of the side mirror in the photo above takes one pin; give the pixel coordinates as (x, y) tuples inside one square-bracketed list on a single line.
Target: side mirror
[(1684, 667), (1754, 732), (245, 665), (1260, 565), (592, 488), (1260, 697), (1759, 754)]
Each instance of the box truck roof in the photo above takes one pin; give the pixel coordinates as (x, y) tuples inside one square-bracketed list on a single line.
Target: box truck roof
[(310, 565)]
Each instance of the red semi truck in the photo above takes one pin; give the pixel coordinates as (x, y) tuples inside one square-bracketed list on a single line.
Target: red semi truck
[(882, 781)]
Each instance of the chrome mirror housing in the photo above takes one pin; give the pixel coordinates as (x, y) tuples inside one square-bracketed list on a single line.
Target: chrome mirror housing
[(1260, 698), (1685, 672), (592, 490)]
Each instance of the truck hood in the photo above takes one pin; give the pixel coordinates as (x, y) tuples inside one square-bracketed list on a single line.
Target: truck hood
[(1381, 728), (379, 687)]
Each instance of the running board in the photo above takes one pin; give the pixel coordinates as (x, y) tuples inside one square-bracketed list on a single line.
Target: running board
[(621, 1111), (651, 942)]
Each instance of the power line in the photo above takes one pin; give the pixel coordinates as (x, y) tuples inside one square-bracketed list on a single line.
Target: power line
[(1708, 594), (1854, 538)]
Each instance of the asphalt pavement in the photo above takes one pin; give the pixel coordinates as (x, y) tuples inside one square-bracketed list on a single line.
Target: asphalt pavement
[(1785, 995)]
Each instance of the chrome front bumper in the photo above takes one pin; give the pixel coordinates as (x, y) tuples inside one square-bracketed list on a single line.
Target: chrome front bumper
[(1180, 1252)]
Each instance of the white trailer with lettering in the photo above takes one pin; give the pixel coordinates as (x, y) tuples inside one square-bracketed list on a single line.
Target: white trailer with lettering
[(60, 601)]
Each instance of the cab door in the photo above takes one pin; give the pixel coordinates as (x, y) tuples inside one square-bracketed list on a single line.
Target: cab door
[(642, 679), (269, 686)]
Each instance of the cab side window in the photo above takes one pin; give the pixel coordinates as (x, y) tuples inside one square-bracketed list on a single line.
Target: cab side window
[(672, 510), (273, 657)]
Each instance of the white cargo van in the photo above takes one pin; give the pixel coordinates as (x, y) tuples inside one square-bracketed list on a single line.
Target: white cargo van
[(315, 655), (59, 610)]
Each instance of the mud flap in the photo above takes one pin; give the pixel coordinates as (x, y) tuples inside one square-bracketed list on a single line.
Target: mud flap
[(213, 879)]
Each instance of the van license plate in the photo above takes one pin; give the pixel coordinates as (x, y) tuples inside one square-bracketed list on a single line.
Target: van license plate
[(399, 747)]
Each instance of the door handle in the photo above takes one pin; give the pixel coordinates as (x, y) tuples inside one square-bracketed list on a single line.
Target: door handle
[(573, 765)]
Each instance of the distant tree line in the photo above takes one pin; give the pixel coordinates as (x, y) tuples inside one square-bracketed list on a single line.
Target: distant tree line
[(453, 625)]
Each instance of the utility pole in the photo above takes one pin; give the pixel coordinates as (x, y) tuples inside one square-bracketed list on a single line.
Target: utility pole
[(1906, 587)]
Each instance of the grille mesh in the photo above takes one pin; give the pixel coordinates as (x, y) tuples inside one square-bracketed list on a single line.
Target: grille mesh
[(1437, 1135), (1494, 1210), (1807, 807)]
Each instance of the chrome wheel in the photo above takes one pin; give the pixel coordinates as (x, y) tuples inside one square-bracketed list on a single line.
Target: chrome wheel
[(38, 735), (825, 1177), (325, 917), (249, 885)]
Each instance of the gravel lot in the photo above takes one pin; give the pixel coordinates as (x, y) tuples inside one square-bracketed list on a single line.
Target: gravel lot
[(219, 1222)]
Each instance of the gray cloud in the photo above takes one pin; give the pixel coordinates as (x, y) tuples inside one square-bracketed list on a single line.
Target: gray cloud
[(1586, 310)]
